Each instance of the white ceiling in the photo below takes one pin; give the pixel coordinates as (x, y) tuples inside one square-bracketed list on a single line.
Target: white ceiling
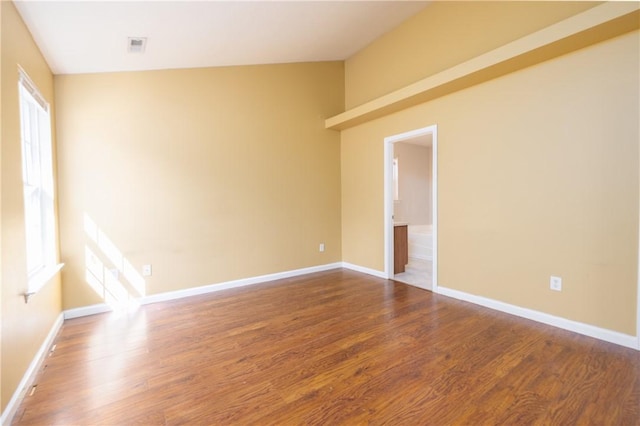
[(91, 36)]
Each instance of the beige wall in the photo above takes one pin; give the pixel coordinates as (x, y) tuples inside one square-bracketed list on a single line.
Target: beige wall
[(445, 34), (209, 175), (537, 175), (24, 326), (218, 174), (414, 184)]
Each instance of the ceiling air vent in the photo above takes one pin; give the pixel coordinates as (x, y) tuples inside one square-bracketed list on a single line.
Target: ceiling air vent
[(136, 44)]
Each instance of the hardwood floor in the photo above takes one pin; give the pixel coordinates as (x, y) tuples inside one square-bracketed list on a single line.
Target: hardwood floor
[(336, 347)]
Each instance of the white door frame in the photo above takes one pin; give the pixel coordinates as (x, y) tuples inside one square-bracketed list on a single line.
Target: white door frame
[(638, 297), (388, 197)]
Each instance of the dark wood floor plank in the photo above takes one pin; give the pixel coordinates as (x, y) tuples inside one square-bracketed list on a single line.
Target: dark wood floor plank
[(336, 347)]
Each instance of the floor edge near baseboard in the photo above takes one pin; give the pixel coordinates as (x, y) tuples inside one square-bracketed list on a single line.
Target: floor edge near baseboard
[(559, 322), (30, 374), (195, 291), (599, 333)]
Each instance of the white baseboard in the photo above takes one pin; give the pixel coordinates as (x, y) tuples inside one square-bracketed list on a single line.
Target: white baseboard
[(87, 310), (30, 375), (364, 270), (577, 327), (563, 323), (194, 291)]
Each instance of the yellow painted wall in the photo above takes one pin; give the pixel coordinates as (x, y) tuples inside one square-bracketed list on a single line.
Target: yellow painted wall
[(24, 326), (219, 174), (537, 175), (210, 174), (442, 35)]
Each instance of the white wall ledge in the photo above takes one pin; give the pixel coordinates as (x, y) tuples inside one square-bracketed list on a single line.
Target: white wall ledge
[(40, 279), (595, 25)]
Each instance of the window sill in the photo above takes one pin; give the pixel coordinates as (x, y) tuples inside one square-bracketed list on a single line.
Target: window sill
[(39, 279)]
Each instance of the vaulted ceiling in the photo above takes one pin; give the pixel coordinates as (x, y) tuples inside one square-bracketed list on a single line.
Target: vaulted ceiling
[(92, 36)]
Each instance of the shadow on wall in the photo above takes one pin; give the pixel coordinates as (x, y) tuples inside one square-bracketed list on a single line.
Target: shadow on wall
[(105, 266)]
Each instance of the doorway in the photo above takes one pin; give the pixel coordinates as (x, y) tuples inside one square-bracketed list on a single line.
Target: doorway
[(405, 204)]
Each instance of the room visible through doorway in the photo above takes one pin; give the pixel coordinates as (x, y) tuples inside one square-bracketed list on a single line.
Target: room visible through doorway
[(410, 207)]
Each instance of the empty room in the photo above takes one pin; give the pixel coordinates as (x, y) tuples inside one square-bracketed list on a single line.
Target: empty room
[(319, 212)]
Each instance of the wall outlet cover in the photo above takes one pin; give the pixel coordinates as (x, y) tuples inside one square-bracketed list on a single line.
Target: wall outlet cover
[(555, 283)]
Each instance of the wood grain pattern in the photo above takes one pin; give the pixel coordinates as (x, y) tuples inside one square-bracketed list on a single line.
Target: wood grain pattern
[(335, 347), (400, 248)]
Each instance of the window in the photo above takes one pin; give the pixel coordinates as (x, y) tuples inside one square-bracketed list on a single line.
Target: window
[(37, 178)]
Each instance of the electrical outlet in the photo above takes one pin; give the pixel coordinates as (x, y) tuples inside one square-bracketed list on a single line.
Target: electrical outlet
[(146, 270), (321, 247), (555, 283)]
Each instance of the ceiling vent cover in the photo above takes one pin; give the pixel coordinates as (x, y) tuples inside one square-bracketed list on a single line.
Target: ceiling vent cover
[(136, 44)]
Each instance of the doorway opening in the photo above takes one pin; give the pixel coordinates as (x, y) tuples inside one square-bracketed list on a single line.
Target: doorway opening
[(411, 196)]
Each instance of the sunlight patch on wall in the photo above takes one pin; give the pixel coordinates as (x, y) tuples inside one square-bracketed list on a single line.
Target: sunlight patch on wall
[(105, 266)]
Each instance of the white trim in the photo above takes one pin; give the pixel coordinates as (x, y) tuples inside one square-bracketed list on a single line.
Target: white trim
[(638, 293), (388, 197), (42, 277), (434, 207), (32, 89), (194, 291), (368, 271), (39, 183), (388, 208), (31, 373), (566, 324), (87, 310)]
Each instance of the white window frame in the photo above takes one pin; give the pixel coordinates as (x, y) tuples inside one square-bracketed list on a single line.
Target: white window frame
[(38, 185)]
